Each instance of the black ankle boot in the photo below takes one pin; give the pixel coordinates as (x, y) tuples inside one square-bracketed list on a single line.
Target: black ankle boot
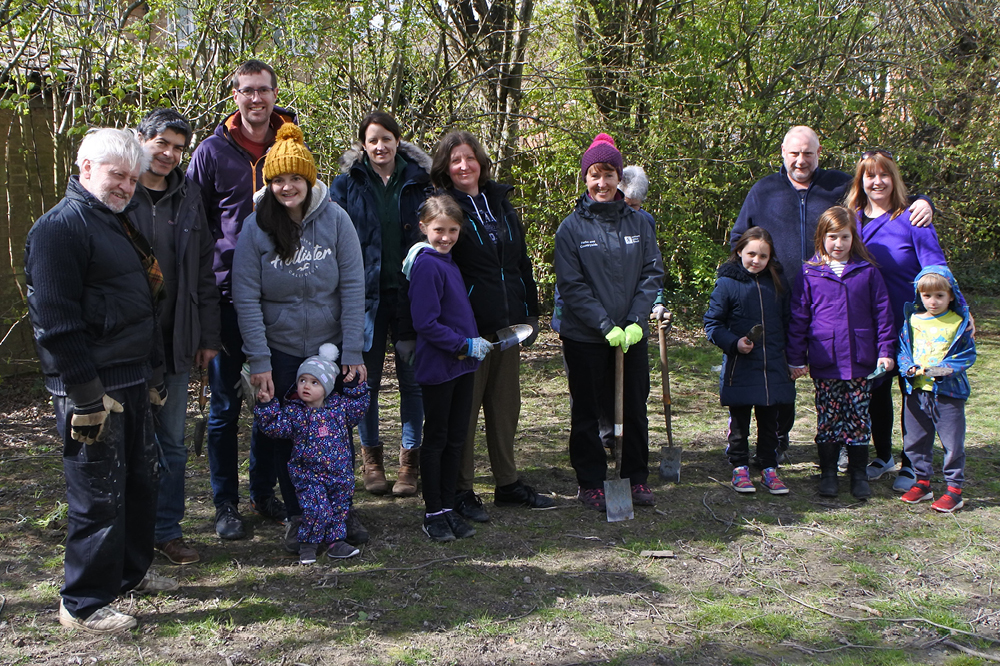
[(857, 464), (828, 484)]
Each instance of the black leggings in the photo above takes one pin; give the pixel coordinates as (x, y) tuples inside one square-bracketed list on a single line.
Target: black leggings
[(447, 408)]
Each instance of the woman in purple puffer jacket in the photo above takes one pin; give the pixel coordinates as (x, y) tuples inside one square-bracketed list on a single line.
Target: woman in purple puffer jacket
[(841, 330)]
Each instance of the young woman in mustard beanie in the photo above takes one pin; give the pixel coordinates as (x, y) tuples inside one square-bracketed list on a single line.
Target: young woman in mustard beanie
[(298, 282)]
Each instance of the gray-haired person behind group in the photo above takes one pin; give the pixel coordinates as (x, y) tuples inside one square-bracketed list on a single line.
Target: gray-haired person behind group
[(93, 284), (169, 212)]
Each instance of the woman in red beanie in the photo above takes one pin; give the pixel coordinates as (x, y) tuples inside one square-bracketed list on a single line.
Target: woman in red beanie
[(608, 271)]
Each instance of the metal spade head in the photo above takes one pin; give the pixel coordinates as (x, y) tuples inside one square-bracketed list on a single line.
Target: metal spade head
[(756, 333), (938, 371)]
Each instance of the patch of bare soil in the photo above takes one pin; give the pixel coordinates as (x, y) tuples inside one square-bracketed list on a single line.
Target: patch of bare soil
[(752, 580)]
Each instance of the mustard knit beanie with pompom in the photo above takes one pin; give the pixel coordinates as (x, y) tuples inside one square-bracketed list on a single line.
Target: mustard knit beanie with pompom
[(290, 155)]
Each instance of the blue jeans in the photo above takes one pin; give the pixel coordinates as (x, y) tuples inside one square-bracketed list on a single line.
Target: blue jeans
[(284, 373), (411, 405), (173, 458), (224, 421)]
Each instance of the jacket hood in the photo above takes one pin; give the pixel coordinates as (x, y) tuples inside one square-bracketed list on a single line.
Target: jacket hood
[(736, 271), (411, 256), (279, 116), (320, 195), (958, 305), (355, 155)]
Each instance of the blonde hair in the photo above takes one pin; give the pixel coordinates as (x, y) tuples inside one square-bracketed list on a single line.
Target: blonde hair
[(933, 282)]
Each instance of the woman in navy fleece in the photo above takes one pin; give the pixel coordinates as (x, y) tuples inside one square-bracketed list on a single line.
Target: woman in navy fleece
[(448, 352)]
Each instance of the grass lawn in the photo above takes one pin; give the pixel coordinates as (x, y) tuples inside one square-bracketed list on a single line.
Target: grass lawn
[(754, 579)]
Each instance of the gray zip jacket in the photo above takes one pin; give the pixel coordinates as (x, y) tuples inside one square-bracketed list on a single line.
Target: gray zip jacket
[(317, 297), (608, 269)]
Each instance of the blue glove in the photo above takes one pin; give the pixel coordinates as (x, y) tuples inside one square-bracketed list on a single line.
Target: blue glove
[(478, 348)]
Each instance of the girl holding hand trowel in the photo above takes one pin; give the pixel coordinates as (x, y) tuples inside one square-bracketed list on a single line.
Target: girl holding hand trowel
[(747, 318), (608, 271)]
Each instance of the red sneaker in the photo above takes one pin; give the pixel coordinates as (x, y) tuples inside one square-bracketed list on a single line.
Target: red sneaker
[(918, 492), (950, 501)]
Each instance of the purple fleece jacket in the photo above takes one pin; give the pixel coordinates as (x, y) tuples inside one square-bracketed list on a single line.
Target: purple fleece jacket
[(840, 326), (901, 251), (442, 318)]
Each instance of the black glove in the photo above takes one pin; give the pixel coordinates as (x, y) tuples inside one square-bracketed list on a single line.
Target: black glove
[(407, 350), (88, 422), (530, 340)]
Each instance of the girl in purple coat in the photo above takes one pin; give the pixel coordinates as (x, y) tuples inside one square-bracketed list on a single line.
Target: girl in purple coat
[(841, 331), (449, 350), (316, 417)]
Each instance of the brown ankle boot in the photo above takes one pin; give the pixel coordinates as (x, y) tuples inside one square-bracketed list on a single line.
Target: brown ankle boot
[(372, 471), (409, 470)]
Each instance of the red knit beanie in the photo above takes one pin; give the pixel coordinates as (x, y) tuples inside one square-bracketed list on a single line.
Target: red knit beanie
[(601, 150)]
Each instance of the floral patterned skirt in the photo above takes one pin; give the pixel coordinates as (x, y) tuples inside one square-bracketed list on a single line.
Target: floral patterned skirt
[(842, 411)]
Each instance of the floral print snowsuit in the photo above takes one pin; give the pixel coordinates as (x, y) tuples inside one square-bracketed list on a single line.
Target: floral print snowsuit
[(321, 466)]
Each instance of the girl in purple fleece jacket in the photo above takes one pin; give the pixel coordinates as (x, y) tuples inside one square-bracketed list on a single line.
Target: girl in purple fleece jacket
[(841, 331), (448, 352)]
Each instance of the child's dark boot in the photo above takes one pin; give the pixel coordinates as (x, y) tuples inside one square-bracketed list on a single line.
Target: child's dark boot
[(857, 465), (828, 484)]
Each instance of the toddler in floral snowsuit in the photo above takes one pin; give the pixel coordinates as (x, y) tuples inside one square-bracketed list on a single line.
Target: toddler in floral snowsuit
[(317, 420)]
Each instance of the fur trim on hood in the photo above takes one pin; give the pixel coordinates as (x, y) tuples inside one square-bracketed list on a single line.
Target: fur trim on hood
[(353, 156)]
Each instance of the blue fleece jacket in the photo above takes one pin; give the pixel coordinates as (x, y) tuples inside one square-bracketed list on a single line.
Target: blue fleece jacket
[(962, 353)]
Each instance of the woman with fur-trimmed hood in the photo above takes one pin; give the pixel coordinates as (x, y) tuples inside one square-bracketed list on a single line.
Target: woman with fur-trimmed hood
[(384, 182)]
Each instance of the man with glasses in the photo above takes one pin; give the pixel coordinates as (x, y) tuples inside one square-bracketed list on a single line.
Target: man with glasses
[(169, 213), (788, 204), (229, 166)]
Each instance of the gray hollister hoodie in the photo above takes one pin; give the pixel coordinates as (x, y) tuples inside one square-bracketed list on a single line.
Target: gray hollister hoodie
[(317, 297)]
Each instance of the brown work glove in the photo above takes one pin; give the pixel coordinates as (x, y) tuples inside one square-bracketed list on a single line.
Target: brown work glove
[(88, 422)]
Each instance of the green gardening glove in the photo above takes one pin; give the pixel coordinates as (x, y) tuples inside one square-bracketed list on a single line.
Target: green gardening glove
[(615, 337), (633, 333)]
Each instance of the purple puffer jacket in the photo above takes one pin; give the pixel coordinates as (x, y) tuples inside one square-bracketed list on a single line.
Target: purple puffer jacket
[(840, 326)]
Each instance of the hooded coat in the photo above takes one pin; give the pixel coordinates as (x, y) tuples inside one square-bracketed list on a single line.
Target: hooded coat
[(353, 191), (228, 176), (841, 325), (962, 352), (742, 300), (317, 297)]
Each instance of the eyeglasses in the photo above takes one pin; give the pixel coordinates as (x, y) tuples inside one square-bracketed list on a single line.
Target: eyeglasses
[(262, 92), (868, 154)]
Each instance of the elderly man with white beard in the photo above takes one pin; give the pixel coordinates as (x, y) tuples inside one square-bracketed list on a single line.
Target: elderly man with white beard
[(93, 283)]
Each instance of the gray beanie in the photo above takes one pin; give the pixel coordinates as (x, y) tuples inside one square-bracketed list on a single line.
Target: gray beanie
[(323, 367)]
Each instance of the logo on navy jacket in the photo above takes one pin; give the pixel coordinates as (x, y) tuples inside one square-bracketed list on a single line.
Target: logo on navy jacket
[(631, 240), (588, 243)]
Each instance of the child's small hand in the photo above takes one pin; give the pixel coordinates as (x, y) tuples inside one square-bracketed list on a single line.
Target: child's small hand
[(744, 345), (798, 372), (886, 363), (914, 371)]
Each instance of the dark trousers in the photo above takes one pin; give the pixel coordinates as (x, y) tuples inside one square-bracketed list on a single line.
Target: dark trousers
[(445, 423), (785, 419), (111, 489), (882, 414), (590, 371), (738, 449), (284, 374), (925, 414), (224, 421)]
